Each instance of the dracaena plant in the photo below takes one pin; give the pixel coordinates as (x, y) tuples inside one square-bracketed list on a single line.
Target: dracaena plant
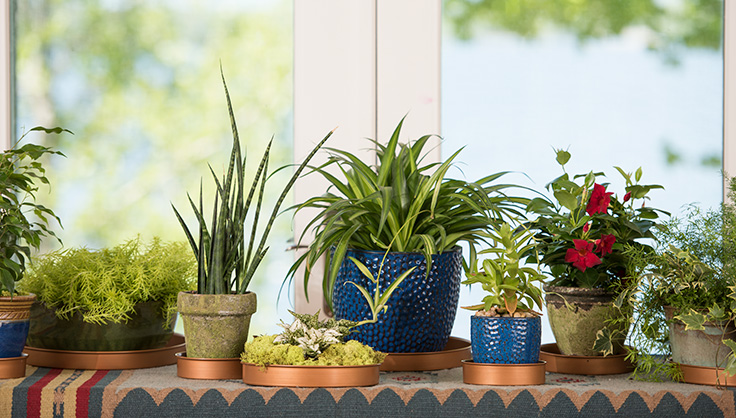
[(400, 204), (227, 258), (512, 287), (23, 222), (584, 228)]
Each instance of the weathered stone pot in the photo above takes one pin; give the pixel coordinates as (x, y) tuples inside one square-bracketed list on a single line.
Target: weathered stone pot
[(422, 309), (146, 329), (14, 324), (505, 340), (576, 323), (699, 348), (216, 326)]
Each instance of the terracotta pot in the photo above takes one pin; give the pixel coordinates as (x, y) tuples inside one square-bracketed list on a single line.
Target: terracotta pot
[(146, 329), (576, 323), (14, 324), (216, 326), (505, 340), (421, 311), (699, 348)]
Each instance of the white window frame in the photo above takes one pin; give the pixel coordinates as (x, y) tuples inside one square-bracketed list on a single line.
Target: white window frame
[(361, 65)]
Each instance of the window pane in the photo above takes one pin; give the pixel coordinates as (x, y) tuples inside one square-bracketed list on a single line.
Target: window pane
[(627, 83), (138, 82)]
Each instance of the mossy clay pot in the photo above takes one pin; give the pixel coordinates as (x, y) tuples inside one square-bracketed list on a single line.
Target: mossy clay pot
[(704, 348), (216, 326), (576, 315), (14, 324), (146, 329)]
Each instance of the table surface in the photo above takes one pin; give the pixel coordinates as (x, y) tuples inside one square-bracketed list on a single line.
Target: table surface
[(159, 392)]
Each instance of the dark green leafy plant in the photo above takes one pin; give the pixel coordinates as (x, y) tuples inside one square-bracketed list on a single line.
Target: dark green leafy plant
[(400, 205), (20, 169), (693, 272), (509, 283), (225, 263), (105, 285), (582, 233)]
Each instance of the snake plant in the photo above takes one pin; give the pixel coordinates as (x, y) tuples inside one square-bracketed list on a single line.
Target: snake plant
[(227, 259)]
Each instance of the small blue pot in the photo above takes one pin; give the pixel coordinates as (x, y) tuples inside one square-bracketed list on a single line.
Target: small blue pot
[(421, 311), (505, 340), (14, 324)]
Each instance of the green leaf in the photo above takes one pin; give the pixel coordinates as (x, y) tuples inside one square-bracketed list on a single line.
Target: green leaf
[(605, 341), (562, 157), (693, 320), (566, 199)]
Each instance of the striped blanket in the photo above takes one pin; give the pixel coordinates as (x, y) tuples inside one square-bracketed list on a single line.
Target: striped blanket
[(159, 392)]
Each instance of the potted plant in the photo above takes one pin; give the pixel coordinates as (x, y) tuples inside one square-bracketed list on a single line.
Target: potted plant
[(315, 353), (505, 331), (582, 234), (20, 232), (685, 299), (217, 316), (416, 212), (121, 298)]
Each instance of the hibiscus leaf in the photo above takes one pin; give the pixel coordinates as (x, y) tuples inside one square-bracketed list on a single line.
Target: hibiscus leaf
[(562, 156), (566, 199)]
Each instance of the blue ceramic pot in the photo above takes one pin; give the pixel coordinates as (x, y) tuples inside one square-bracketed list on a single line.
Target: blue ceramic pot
[(421, 311), (14, 324), (505, 340)]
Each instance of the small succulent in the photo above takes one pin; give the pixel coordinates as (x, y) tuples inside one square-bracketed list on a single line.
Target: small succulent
[(510, 285), (312, 335)]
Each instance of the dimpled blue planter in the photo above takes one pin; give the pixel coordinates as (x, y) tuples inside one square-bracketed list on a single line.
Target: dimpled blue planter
[(13, 335), (421, 310), (505, 340)]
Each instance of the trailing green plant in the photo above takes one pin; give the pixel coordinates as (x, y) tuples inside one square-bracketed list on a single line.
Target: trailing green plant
[(378, 301), (105, 285), (510, 284), (400, 204), (583, 232), (693, 273), (20, 170), (226, 264)]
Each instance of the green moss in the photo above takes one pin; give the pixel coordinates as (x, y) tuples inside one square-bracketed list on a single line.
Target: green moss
[(263, 352), (105, 285)]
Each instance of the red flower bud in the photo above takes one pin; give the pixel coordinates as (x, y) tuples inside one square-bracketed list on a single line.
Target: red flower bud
[(627, 196)]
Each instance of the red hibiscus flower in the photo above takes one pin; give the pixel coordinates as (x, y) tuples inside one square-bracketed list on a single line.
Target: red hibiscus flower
[(582, 256), (605, 244), (627, 196), (599, 200)]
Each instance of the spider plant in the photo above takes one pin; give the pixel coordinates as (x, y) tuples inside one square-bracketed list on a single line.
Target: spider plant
[(400, 205), (225, 264)]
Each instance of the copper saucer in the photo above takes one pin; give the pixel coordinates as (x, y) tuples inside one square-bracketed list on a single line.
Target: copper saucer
[(106, 360), (456, 350), (311, 376), (208, 368), (13, 367), (503, 374), (700, 375), (590, 365)]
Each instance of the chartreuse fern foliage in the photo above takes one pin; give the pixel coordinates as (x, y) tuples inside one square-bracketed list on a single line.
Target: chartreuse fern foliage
[(105, 285)]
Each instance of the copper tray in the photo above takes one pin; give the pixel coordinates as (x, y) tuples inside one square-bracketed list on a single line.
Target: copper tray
[(590, 365), (311, 376), (106, 360), (13, 367), (208, 368), (456, 350), (503, 374), (700, 375)]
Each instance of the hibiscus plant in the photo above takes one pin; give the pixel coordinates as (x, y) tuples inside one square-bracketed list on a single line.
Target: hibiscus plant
[(583, 231)]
